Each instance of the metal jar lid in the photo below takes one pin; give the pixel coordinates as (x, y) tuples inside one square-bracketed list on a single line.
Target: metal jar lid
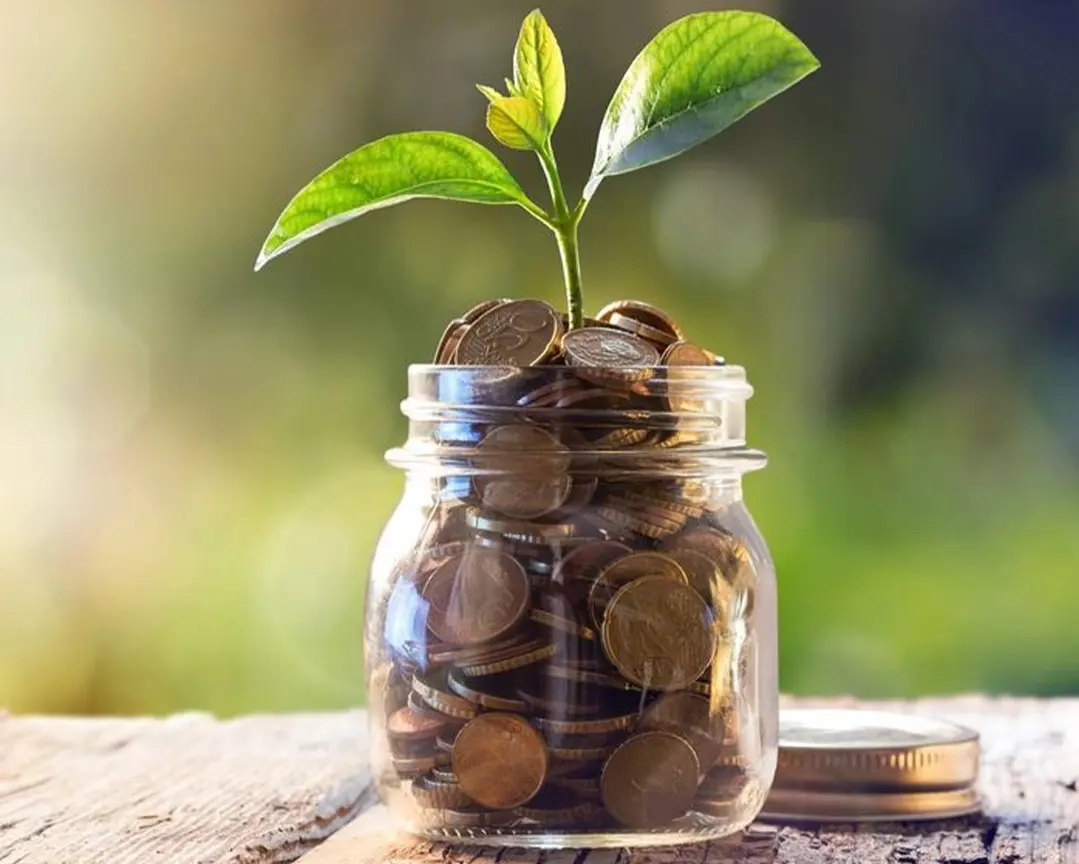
[(841, 765)]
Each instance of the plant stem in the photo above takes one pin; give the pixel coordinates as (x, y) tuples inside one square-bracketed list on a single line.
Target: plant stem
[(564, 225)]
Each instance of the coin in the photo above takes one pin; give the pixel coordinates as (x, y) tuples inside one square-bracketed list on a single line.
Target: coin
[(618, 439), (598, 726), (491, 695), (466, 817), (645, 313), (639, 328), (650, 780), (560, 703), (626, 570), (706, 579), (451, 338), (442, 655), (432, 793), (480, 309), (604, 355), (699, 720), (500, 760), (588, 676), (588, 561), (566, 625), (525, 532), (405, 724), (413, 767), (519, 333), (686, 354), (556, 805), (433, 691), (517, 661), (522, 471), (724, 782), (659, 633), (731, 556), (476, 596)]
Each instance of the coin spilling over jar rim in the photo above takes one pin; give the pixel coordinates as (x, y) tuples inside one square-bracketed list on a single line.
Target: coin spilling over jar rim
[(851, 765)]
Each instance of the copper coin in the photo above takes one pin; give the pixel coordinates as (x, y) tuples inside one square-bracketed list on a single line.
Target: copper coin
[(451, 338), (685, 354), (601, 353), (731, 556), (430, 792), (413, 767), (520, 333), (597, 726), (489, 694), (481, 309), (522, 471), (586, 562), (406, 724), (476, 596), (626, 570), (639, 328), (646, 313), (659, 633), (706, 579), (650, 780), (433, 691), (500, 760), (535, 533), (699, 720)]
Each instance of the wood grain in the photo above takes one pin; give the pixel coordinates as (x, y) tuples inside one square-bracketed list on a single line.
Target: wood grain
[(266, 790)]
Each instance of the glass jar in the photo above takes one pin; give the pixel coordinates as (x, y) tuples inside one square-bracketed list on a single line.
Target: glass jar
[(571, 620)]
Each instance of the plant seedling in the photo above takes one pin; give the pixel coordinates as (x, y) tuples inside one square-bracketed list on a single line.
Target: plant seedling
[(694, 79)]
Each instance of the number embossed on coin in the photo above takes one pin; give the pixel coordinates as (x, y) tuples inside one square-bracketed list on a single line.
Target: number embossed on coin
[(500, 760), (659, 633), (519, 333), (650, 780), (476, 596)]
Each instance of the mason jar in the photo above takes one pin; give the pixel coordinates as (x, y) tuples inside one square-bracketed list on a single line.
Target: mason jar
[(571, 619)]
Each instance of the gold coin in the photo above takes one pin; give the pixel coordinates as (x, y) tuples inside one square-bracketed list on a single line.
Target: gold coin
[(639, 328), (525, 532), (659, 633), (500, 760), (706, 579), (516, 662), (626, 570), (495, 701), (647, 524), (476, 597), (646, 313), (731, 556), (701, 721), (522, 471), (620, 438), (606, 355), (520, 333), (451, 338), (598, 726), (650, 780), (433, 693), (465, 817), (432, 793)]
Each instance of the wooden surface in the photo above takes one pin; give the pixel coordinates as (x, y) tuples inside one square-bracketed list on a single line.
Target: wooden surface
[(191, 790)]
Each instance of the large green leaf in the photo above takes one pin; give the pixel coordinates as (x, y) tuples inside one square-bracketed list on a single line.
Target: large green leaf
[(391, 171), (538, 69), (696, 78)]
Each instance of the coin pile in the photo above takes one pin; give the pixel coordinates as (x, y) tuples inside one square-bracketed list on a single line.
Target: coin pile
[(569, 642)]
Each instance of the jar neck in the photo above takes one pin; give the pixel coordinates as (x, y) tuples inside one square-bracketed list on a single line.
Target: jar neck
[(670, 421)]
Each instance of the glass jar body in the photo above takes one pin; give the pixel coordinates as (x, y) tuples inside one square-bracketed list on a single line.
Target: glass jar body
[(571, 628)]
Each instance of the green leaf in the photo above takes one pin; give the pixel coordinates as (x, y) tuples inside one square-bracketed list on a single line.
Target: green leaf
[(517, 123), (511, 88), (538, 69), (391, 171), (696, 78), (490, 92)]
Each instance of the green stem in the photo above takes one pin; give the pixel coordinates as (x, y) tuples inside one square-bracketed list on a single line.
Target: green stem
[(564, 225)]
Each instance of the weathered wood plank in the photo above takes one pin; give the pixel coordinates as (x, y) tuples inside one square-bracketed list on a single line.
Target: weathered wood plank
[(186, 790), (1029, 781)]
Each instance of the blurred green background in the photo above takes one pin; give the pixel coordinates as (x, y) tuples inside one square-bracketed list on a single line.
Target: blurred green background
[(191, 475)]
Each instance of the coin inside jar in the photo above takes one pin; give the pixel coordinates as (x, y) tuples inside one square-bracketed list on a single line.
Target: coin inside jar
[(625, 570), (500, 760), (523, 471), (659, 633), (650, 780), (476, 596)]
